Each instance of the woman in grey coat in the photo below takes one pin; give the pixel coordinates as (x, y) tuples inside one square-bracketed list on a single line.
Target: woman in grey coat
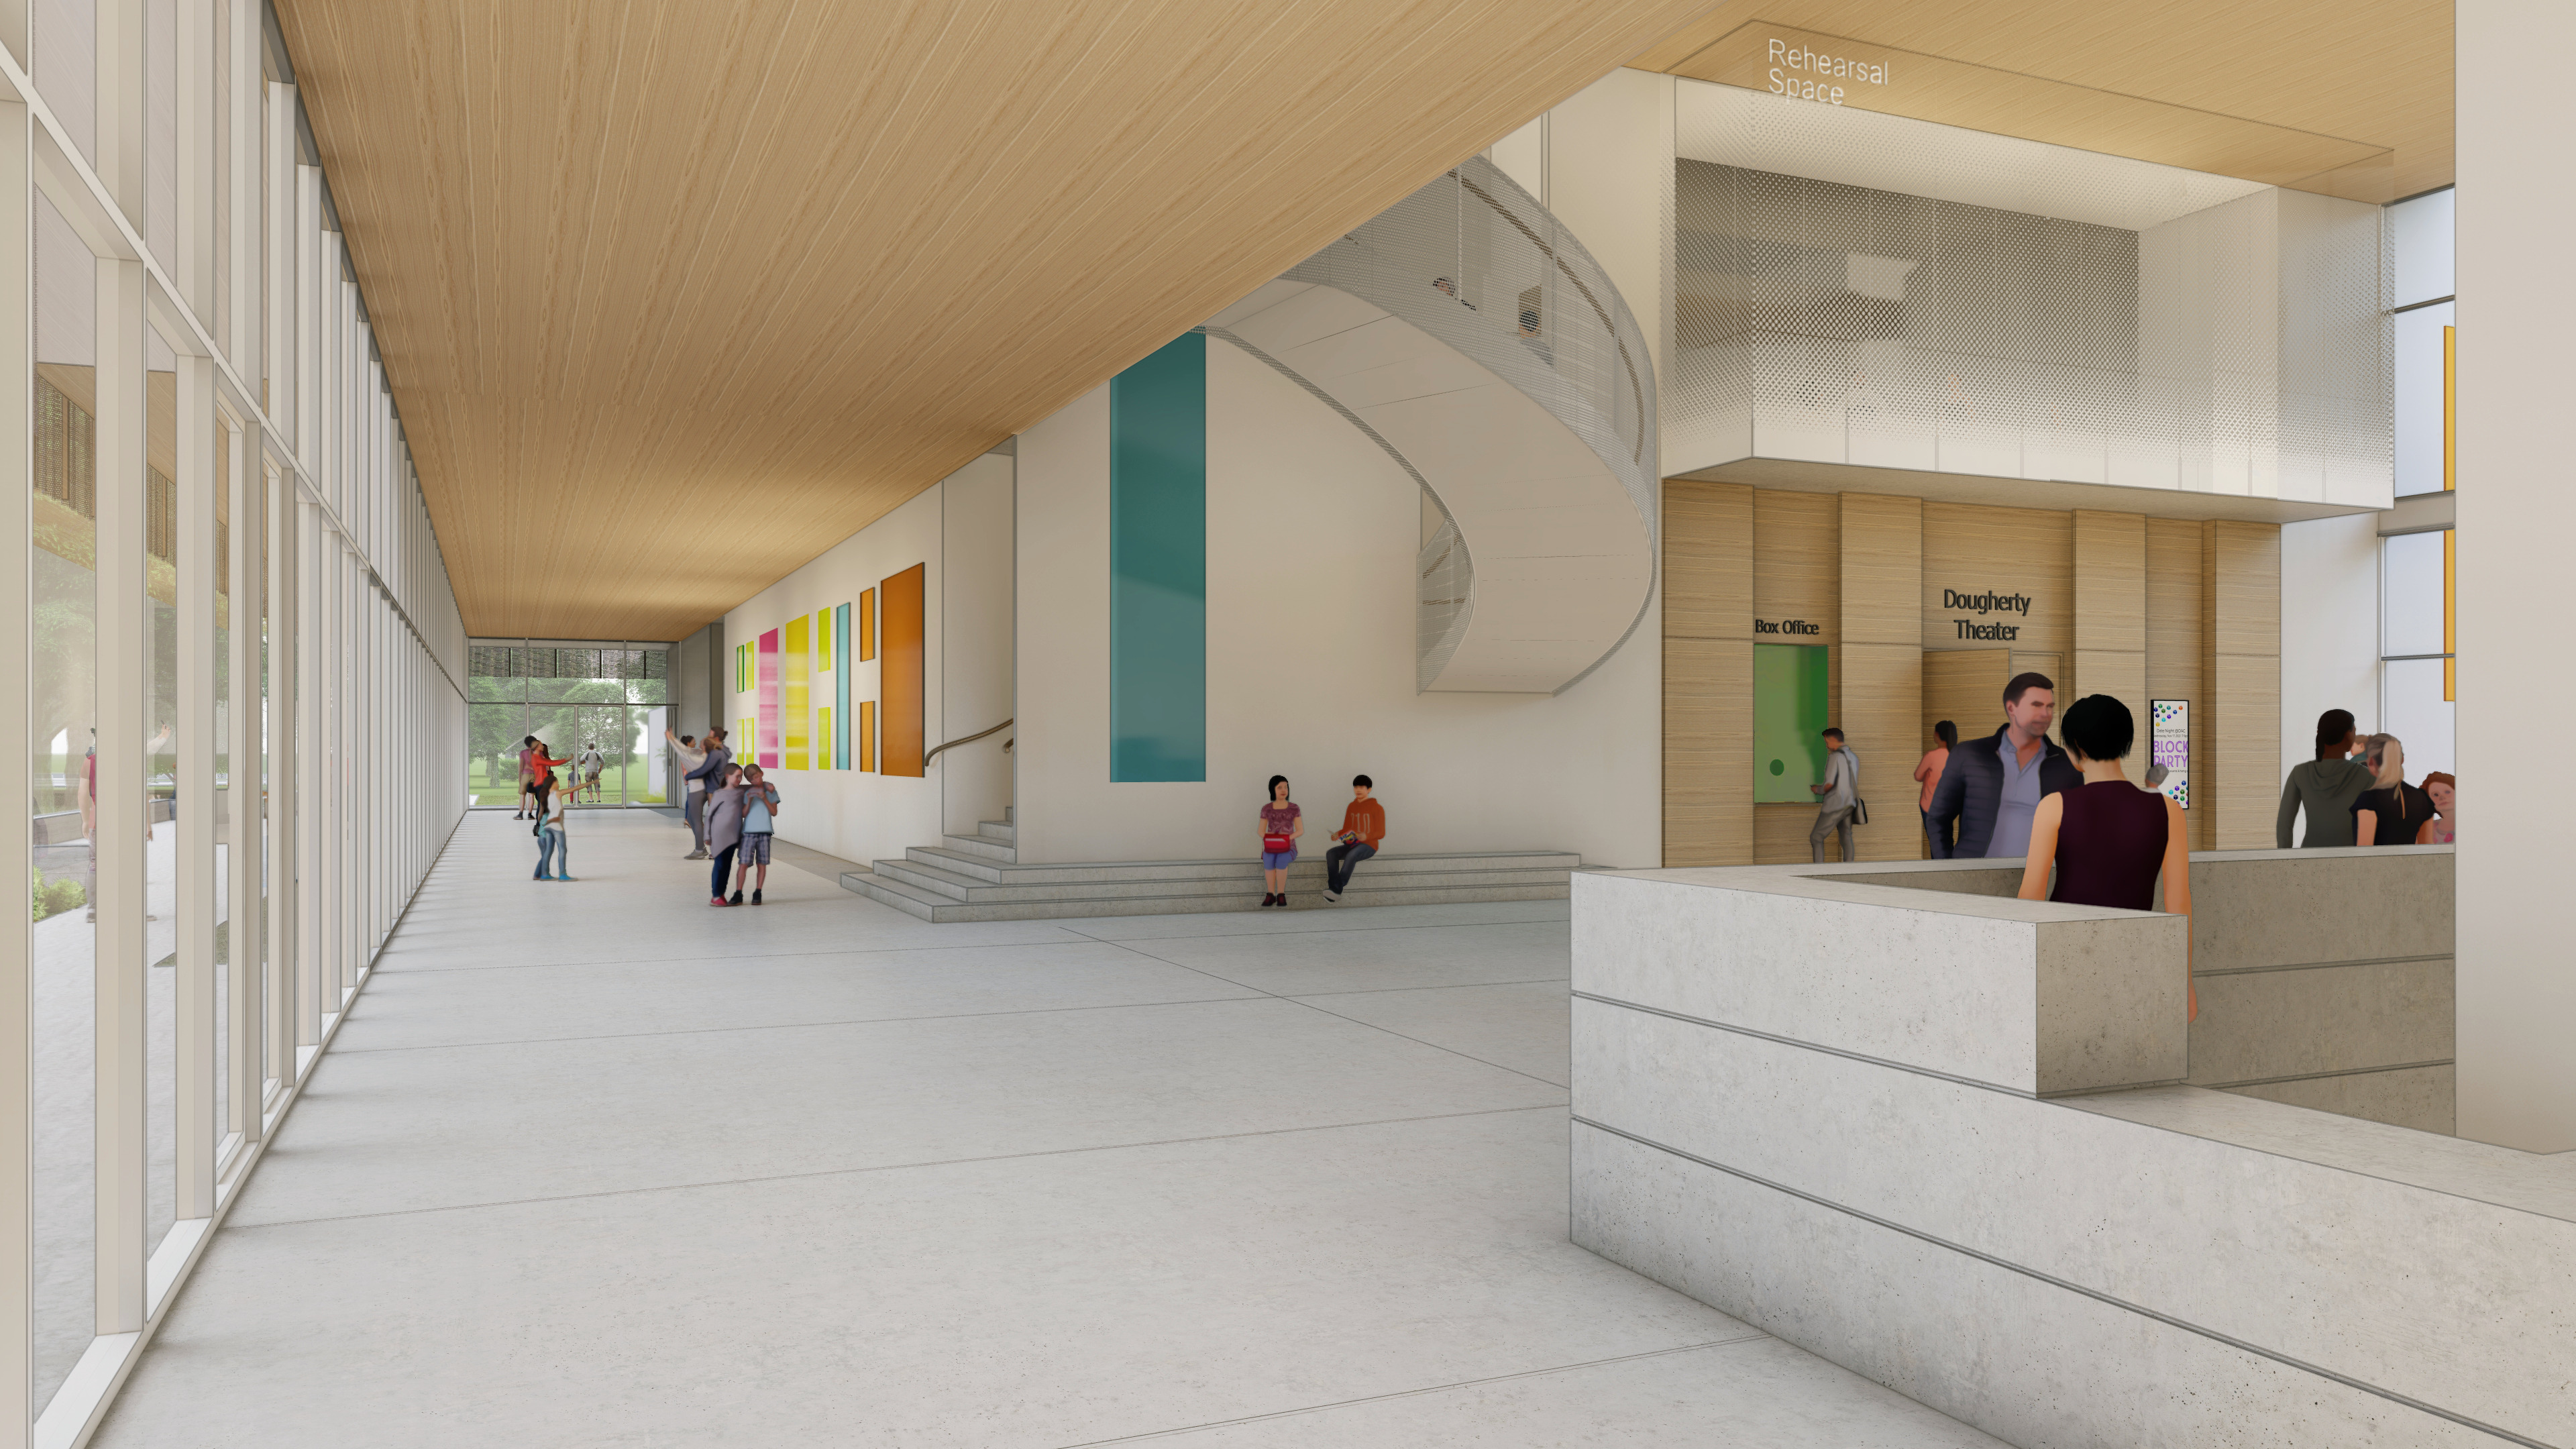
[(2326, 786), (724, 828)]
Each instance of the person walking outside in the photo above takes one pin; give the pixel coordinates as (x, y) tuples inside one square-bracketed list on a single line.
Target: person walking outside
[(2391, 811), (525, 753), (759, 822), (593, 765), (693, 800), (1840, 797), (1928, 773), (2109, 841), (707, 776), (2443, 791), (1990, 787), (552, 843), (1281, 823), (1363, 826), (2325, 787), (724, 830)]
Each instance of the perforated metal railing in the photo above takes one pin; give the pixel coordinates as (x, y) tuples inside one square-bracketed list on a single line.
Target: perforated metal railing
[(1476, 262)]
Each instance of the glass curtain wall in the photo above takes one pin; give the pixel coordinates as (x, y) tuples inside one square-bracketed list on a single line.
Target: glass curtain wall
[(2415, 569), (243, 667), (600, 706)]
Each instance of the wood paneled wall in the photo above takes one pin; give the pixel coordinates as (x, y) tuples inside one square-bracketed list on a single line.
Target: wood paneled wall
[(1881, 710), (2140, 608), (1708, 674), (1797, 574), (2175, 666), (2111, 619), (2241, 634)]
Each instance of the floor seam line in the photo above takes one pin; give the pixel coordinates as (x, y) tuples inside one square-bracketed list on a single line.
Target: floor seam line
[(902, 1166), (701, 959), (794, 1025), (1320, 931), (1565, 1368)]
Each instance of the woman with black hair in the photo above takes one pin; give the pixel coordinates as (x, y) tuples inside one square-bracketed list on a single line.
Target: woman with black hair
[(1281, 823), (2109, 840)]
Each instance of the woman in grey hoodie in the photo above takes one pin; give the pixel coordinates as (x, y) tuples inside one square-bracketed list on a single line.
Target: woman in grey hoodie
[(2326, 785)]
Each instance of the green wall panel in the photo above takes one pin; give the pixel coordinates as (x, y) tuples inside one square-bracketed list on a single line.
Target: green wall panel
[(1790, 699)]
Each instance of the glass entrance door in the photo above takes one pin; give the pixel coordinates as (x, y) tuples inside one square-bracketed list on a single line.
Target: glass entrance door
[(613, 749)]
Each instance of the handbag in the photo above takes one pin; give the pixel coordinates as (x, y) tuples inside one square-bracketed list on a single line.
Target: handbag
[(1860, 811), (1278, 844)]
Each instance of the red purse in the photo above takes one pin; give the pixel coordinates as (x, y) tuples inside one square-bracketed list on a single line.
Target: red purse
[(1275, 844)]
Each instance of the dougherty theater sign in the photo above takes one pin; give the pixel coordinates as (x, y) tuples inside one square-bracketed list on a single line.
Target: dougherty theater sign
[(2015, 605)]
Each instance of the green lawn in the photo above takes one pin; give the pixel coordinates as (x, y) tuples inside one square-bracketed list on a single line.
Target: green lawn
[(642, 788)]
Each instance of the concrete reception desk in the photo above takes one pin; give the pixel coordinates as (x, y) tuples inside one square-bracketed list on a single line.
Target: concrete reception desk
[(1948, 1139)]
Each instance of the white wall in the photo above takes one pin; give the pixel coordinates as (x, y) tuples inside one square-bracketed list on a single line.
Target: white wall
[(1312, 534), (2517, 1077), (2329, 628), (863, 816), (1609, 178), (975, 641)]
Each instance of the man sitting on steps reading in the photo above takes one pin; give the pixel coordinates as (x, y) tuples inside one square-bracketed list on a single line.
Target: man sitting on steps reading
[(1363, 826)]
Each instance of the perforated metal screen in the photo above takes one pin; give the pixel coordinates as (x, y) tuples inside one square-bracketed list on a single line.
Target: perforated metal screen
[(2240, 348)]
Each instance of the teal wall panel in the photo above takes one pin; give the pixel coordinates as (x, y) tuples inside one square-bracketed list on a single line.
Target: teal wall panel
[(1158, 565), (841, 687)]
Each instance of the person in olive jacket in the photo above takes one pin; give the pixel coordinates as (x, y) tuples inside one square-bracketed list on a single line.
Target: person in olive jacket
[(1992, 786)]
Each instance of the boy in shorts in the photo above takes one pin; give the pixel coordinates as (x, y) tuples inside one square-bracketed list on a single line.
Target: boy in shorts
[(759, 822)]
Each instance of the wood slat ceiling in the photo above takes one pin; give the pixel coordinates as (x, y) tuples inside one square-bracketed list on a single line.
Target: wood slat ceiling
[(676, 294), (2371, 75)]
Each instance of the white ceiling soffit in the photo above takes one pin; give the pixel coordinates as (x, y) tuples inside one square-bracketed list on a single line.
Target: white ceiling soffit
[(1763, 132)]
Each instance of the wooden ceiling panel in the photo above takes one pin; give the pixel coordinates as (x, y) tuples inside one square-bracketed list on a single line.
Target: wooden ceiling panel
[(2371, 74), (675, 294)]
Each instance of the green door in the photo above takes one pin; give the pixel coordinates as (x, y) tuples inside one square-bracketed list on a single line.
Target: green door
[(1789, 703)]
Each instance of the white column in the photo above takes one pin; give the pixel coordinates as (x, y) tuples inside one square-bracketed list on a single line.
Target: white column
[(285, 669), (312, 695), (278, 163), (194, 1018), (124, 694), (248, 815), (17, 854), (2517, 312)]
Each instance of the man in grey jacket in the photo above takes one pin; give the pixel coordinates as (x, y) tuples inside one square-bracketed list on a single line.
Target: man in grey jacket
[(1838, 797), (2326, 786)]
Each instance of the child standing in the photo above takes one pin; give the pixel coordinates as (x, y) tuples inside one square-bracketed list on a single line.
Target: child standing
[(551, 843), (759, 822)]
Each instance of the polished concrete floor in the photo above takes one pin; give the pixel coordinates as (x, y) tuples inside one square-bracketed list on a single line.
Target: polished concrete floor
[(595, 1164)]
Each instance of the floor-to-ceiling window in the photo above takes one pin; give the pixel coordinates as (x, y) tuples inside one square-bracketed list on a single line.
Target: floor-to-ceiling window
[(241, 663), (2415, 643), (601, 706)]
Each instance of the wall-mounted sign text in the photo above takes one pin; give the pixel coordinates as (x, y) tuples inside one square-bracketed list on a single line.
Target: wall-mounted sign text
[(1804, 74), (1989, 602), (1786, 626)]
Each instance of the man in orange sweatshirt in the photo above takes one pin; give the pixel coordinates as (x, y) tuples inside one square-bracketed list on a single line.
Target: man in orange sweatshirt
[(1363, 826)]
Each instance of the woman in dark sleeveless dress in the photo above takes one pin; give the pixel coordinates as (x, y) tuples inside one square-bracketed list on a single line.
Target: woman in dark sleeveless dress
[(2108, 840)]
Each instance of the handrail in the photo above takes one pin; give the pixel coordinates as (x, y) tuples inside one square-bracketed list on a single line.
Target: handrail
[(970, 739)]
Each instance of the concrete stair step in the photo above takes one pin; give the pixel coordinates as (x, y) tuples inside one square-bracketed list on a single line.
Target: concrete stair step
[(1246, 868), (975, 887), (930, 906), (976, 845), (908, 899), (1001, 830)]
